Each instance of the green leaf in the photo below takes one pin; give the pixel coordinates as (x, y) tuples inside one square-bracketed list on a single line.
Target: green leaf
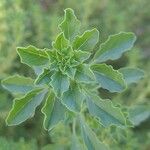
[(32, 56), (73, 98), (90, 138), (131, 75), (139, 113), (70, 25), (60, 83), (84, 74), (87, 41), (24, 108), (109, 78), (70, 72), (44, 78), (75, 144), (61, 42), (18, 84), (53, 111), (105, 111), (81, 56), (114, 47)]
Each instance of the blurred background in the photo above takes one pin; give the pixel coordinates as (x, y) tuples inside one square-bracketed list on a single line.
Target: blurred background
[(35, 22)]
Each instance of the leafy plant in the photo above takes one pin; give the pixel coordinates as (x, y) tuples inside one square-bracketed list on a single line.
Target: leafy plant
[(69, 75)]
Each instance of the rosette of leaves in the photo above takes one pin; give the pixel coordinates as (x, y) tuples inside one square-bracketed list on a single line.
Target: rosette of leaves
[(68, 77)]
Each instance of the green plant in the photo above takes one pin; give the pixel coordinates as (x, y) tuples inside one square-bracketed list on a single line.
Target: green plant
[(69, 75)]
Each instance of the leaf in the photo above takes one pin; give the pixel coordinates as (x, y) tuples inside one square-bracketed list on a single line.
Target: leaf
[(60, 83), (84, 74), (105, 111), (114, 47), (81, 56), (18, 84), (70, 72), (131, 75), (139, 113), (32, 56), (44, 78), (73, 98), (53, 111), (24, 108), (70, 25), (109, 78), (90, 138), (87, 41), (61, 42), (75, 144)]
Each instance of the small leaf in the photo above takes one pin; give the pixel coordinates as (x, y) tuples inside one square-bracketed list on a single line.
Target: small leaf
[(61, 42), (81, 56), (114, 47), (18, 84), (131, 75), (87, 41), (105, 111), (44, 78), (109, 78), (60, 83), (139, 113), (24, 108), (70, 25), (32, 56), (70, 72), (90, 138), (53, 111), (84, 74), (73, 98)]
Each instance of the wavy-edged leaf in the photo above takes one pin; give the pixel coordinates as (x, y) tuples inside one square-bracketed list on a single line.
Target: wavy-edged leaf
[(87, 41), (90, 139), (109, 78), (32, 56), (84, 74), (81, 56), (61, 42), (73, 98), (60, 83), (70, 25), (139, 113), (53, 111), (105, 111), (131, 75), (18, 84), (115, 46), (24, 108), (44, 77)]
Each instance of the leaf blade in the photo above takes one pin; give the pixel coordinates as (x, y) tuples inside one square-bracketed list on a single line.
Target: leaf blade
[(109, 78), (114, 47)]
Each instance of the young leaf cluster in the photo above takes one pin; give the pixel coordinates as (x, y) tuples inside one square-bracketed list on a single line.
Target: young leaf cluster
[(68, 77)]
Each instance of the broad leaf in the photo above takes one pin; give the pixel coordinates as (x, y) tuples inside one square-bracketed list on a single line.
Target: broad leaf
[(73, 98), (109, 78), (60, 83), (90, 138), (81, 56), (87, 41), (131, 75), (139, 113), (105, 111), (32, 56), (84, 74), (53, 110), (44, 78), (24, 108), (18, 84), (61, 43), (70, 25), (115, 46)]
